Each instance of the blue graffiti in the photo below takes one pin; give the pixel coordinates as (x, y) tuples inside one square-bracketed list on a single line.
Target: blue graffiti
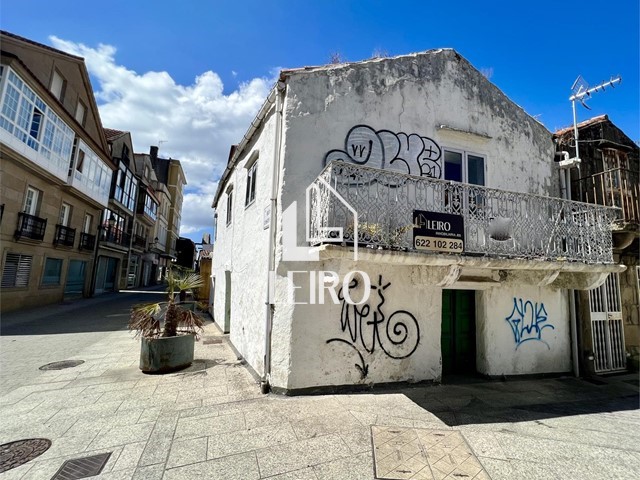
[(526, 321)]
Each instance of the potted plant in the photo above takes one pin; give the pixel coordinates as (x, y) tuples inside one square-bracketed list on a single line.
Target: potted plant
[(168, 329)]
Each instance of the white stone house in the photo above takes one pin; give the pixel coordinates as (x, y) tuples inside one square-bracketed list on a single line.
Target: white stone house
[(459, 230)]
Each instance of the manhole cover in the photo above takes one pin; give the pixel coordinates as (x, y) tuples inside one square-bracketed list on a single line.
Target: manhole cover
[(16, 453), (402, 453), (82, 467), (62, 365)]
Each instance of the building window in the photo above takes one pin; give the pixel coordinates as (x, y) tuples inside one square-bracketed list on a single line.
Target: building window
[(52, 271), (250, 194), (150, 207), (229, 205), (463, 167), (25, 115), (31, 201), (80, 162), (65, 214), (88, 220), (57, 85), (16, 271), (36, 123), (80, 112)]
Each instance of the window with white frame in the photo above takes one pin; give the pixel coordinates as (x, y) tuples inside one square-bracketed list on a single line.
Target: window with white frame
[(80, 112), (80, 161), (16, 271), (26, 116), (31, 198), (126, 186), (250, 194), (229, 205), (464, 167), (88, 221), (57, 85), (52, 271), (65, 215)]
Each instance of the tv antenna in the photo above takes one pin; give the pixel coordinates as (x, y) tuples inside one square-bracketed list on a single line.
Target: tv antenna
[(582, 92)]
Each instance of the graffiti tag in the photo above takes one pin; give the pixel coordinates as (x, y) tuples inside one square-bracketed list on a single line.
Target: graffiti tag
[(397, 335), (412, 154), (527, 321)]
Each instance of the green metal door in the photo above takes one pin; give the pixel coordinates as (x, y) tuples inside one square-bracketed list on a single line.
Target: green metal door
[(458, 340)]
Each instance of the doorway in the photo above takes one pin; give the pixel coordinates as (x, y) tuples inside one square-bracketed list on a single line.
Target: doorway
[(458, 338), (74, 286)]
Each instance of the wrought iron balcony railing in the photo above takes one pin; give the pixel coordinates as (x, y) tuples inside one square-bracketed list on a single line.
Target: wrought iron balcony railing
[(140, 242), (64, 236), (87, 241), (115, 236), (617, 187), (496, 222), (30, 226)]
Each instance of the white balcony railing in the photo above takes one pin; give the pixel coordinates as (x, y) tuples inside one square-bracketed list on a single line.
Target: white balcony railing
[(496, 222)]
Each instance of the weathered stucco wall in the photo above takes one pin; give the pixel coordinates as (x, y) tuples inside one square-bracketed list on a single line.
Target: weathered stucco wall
[(522, 329), (242, 249), (370, 114), (393, 337)]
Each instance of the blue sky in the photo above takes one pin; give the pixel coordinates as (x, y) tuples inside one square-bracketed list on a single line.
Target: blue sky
[(218, 59)]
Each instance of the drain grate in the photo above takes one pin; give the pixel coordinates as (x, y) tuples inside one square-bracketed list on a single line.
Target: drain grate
[(17, 453), (211, 340), (82, 467), (62, 365)]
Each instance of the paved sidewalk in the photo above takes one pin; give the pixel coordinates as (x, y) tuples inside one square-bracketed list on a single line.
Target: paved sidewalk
[(210, 421)]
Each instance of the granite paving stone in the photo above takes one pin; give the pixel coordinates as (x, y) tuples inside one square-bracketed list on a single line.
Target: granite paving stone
[(211, 420), (184, 452), (243, 466), (196, 427), (299, 454), (130, 456), (122, 434), (222, 445)]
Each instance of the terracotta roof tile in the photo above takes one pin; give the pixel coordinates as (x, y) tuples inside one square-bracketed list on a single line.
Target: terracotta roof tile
[(586, 123)]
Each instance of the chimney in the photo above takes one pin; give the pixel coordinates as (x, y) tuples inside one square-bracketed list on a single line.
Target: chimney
[(153, 153)]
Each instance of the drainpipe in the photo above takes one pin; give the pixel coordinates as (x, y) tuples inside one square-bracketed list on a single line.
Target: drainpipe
[(275, 184), (565, 185)]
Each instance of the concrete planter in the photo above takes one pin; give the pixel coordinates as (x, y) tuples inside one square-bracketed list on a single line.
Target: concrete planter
[(166, 354)]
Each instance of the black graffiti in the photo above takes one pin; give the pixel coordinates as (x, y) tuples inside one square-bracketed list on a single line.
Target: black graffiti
[(384, 149), (369, 329)]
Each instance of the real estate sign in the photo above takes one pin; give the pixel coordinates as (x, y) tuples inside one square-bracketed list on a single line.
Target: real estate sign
[(438, 232)]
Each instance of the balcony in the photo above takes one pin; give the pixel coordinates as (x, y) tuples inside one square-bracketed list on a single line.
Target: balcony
[(30, 227), (87, 241), (115, 236), (496, 223), (139, 242), (64, 236), (617, 187)]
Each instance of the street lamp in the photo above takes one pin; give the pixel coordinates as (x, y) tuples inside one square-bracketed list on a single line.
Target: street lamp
[(154, 243)]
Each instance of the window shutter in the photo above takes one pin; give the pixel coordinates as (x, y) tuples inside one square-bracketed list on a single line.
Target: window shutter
[(17, 269)]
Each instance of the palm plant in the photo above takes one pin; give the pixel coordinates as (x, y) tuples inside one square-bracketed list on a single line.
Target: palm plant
[(176, 317)]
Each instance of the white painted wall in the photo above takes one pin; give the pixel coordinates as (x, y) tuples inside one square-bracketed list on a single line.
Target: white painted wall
[(415, 94), (242, 248), (316, 362), (498, 350)]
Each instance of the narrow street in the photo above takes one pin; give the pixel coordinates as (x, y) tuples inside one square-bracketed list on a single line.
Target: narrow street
[(211, 421)]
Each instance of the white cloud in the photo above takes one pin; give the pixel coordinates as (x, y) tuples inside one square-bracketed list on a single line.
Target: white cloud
[(199, 122)]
